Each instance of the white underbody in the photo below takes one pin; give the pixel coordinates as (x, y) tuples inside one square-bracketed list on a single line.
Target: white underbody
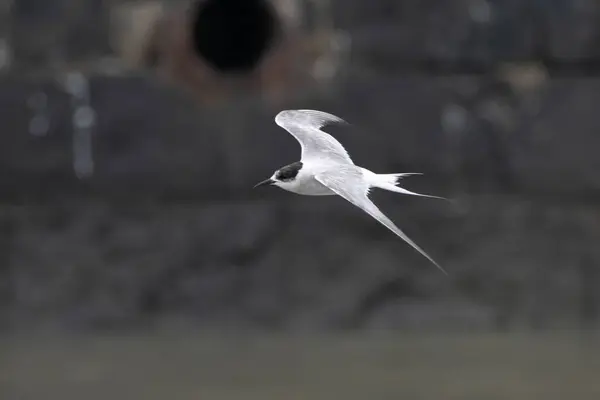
[(307, 186)]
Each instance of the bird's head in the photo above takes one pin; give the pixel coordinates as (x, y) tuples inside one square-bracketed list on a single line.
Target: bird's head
[(283, 177)]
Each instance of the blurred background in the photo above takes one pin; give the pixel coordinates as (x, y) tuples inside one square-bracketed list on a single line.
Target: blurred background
[(136, 262)]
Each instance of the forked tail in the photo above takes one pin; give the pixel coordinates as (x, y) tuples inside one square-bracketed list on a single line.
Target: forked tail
[(389, 182)]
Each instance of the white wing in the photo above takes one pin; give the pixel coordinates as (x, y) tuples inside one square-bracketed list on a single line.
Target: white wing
[(305, 126), (348, 183)]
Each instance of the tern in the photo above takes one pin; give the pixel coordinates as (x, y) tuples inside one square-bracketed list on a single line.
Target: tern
[(326, 169)]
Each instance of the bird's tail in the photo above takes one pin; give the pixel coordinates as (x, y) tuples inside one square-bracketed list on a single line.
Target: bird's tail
[(390, 182)]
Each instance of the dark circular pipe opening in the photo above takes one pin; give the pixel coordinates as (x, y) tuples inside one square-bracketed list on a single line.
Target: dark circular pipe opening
[(233, 35)]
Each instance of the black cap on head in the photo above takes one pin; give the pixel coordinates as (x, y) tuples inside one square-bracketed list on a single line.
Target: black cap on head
[(289, 172)]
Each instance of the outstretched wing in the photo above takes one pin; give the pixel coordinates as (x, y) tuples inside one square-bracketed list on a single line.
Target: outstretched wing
[(305, 126), (348, 183)]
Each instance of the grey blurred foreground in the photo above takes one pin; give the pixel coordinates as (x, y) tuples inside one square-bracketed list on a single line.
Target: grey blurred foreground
[(269, 367)]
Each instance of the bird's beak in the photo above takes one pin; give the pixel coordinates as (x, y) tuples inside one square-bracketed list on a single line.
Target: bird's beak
[(264, 183)]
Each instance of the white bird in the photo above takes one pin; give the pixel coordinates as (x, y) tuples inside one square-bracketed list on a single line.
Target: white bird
[(325, 169)]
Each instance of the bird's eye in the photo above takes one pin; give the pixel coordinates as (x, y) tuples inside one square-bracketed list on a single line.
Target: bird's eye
[(283, 177)]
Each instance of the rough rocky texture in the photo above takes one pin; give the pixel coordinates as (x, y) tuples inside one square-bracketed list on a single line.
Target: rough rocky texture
[(471, 35), (482, 133), (168, 227), (168, 224)]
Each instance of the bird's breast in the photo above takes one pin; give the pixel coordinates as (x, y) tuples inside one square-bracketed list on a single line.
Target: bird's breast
[(309, 186)]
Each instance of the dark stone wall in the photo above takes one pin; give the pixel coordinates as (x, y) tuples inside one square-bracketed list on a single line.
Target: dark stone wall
[(445, 35), (168, 228)]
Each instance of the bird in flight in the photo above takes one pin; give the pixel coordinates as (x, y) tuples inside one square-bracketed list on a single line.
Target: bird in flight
[(325, 169)]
